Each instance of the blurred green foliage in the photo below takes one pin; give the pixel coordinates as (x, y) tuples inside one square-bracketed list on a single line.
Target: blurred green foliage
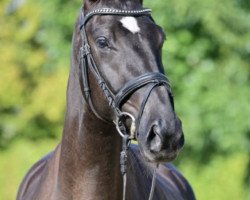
[(15, 162), (207, 58), (35, 54)]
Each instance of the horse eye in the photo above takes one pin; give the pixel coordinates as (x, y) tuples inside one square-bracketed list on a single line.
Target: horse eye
[(102, 42)]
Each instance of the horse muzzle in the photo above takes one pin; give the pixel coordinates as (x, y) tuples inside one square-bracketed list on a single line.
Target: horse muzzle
[(161, 143)]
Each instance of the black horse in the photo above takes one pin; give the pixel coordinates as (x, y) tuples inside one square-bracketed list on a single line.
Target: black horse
[(116, 76)]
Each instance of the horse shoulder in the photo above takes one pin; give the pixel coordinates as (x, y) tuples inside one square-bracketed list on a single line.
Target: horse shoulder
[(168, 174), (170, 183), (33, 181)]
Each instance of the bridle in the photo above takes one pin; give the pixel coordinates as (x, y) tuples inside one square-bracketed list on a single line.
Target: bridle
[(154, 79), (116, 100)]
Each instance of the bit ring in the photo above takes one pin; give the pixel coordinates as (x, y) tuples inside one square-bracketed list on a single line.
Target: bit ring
[(132, 129)]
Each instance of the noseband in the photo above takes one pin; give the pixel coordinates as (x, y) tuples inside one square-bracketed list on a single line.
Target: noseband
[(154, 79)]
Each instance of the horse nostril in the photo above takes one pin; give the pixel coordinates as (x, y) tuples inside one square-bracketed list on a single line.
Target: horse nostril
[(182, 141), (155, 140), (162, 138)]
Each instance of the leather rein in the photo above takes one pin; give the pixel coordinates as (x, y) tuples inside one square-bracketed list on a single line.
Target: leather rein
[(154, 79)]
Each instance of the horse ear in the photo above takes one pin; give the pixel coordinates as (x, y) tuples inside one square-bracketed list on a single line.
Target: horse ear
[(88, 0), (88, 3), (93, 1)]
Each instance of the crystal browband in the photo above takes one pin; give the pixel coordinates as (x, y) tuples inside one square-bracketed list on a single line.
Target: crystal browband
[(110, 11)]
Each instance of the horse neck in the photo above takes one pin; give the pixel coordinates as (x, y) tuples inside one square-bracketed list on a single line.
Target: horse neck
[(89, 160)]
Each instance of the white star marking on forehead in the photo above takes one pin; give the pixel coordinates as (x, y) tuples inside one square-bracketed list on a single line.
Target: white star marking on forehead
[(131, 24)]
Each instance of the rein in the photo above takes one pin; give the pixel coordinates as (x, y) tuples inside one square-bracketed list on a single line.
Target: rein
[(116, 101)]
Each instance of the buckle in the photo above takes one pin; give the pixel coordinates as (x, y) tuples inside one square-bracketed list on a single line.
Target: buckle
[(85, 50)]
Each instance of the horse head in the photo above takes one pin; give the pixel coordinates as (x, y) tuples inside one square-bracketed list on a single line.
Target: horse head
[(125, 49)]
